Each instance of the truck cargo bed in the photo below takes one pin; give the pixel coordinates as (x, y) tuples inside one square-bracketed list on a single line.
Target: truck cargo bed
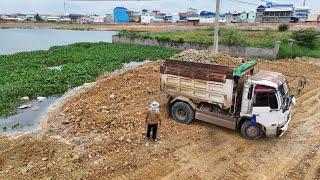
[(198, 81)]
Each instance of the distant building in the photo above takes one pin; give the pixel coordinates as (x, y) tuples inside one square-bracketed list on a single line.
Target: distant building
[(207, 17), (223, 18), (243, 17), (96, 18), (30, 17), (44, 17), (301, 13), (134, 16), (53, 18), (159, 15), (277, 13), (65, 19), (175, 17), (251, 17), (183, 16), (108, 18), (313, 16), (172, 18), (120, 15), (260, 12), (229, 18), (235, 17), (148, 17), (193, 16)]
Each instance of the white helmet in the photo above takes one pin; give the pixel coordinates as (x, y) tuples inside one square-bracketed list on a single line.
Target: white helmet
[(154, 105)]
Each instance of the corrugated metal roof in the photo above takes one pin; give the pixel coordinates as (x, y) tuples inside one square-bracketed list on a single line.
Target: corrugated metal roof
[(278, 9)]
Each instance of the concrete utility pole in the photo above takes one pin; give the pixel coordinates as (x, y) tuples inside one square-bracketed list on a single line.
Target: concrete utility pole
[(216, 28)]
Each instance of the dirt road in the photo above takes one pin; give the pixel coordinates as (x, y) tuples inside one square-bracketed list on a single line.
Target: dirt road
[(98, 133)]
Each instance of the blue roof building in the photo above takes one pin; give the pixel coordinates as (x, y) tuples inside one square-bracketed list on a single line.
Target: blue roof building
[(276, 5), (207, 14), (121, 15)]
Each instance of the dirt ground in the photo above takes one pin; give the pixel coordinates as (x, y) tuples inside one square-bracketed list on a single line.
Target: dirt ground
[(98, 133), (102, 27)]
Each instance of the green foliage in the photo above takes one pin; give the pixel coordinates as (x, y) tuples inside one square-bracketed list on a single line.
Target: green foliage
[(130, 33), (233, 38), (306, 38), (266, 38), (27, 73), (283, 27), (297, 51), (162, 38)]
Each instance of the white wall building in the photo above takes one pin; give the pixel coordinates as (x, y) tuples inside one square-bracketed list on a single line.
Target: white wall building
[(205, 20), (53, 18), (97, 18), (149, 18), (313, 16)]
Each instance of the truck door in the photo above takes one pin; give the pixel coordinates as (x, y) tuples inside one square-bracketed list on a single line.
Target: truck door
[(266, 107)]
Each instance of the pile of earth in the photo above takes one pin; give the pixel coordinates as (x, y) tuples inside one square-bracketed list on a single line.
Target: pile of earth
[(99, 134), (209, 57)]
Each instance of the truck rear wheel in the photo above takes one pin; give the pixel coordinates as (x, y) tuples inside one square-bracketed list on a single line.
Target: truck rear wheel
[(251, 131), (182, 112)]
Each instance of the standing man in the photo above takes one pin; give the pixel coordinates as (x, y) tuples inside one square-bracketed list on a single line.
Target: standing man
[(152, 120)]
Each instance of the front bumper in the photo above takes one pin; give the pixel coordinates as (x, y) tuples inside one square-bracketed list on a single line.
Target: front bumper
[(282, 129)]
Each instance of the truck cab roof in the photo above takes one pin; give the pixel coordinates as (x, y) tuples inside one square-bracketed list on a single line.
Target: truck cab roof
[(268, 78)]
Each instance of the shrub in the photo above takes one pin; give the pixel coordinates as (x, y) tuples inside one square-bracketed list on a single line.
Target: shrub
[(306, 38), (181, 40), (283, 27), (162, 38)]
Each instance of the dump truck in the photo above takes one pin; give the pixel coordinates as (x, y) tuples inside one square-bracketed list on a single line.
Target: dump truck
[(256, 104)]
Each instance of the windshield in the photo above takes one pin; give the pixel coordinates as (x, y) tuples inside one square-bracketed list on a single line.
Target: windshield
[(285, 95), (284, 90)]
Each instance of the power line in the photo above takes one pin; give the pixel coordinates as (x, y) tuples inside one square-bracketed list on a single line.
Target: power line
[(244, 2)]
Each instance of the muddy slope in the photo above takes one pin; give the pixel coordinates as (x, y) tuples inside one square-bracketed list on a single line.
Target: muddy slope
[(99, 134)]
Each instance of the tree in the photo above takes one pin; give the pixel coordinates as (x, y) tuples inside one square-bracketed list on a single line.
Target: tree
[(37, 17)]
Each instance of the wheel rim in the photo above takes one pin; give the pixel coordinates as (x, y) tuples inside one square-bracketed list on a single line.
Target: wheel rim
[(252, 131), (181, 114)]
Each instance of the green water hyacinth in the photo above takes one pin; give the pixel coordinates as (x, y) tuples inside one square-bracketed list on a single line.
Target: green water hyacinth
[(31, 73)]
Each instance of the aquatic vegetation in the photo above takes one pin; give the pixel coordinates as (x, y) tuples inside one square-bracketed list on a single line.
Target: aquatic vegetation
[(28, 73)]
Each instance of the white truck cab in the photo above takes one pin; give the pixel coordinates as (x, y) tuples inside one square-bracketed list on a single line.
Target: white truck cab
[(266, 100)]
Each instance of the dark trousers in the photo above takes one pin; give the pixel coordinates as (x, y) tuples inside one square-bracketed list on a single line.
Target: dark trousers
[(154, 129)]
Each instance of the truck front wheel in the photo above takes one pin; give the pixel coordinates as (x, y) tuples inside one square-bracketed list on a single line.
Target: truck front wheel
[(251, 131), (182, 112)]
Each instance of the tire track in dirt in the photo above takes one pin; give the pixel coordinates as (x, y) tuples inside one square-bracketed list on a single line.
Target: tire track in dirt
[(208, 160), (307, 166)]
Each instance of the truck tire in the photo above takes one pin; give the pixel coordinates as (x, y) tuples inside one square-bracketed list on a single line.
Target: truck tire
[(182, 112), (250, 131)]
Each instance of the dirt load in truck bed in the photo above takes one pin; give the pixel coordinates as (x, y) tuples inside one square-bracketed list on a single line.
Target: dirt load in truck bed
[(207, 57), (98, 133)]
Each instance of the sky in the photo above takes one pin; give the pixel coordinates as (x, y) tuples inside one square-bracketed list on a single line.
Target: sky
[(104, 7)]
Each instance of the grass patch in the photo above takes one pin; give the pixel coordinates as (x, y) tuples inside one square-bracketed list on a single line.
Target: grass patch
[(266, 38), (27, 73), (297, 51)]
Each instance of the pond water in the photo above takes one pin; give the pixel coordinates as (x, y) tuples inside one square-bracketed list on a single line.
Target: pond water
[(19, 40), (28, 119)]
